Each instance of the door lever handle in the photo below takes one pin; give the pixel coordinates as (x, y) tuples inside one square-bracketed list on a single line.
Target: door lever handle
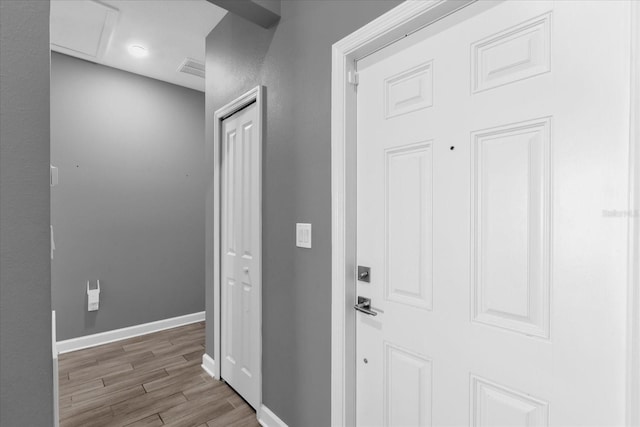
[(364, 306)]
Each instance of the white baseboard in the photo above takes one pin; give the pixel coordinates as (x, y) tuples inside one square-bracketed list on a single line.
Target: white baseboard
[(132, 331), (208, 365), (266, 418)]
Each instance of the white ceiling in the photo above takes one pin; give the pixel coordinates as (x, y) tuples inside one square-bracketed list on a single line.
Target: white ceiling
[(102, 31)]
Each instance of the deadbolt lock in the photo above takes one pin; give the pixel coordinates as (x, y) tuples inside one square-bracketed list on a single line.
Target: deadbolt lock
[(364, 274)]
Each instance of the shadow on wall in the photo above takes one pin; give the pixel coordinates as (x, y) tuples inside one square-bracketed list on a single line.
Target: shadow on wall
[(240, 48)]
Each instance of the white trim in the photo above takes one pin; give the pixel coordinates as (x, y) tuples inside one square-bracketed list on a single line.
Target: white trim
[(54, 344), (266, 418), (404, 19), (56, 373), (254, 95), (208, 365), (633, 325), (132, 331)]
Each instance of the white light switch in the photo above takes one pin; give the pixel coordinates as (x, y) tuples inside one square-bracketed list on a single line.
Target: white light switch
[(303, 235), (53, 175), (93, 297)]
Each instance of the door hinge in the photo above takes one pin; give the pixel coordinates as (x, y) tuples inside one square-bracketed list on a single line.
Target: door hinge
[(352, 78)]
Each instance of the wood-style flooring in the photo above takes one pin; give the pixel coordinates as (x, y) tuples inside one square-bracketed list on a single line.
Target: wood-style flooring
[(151, 380)]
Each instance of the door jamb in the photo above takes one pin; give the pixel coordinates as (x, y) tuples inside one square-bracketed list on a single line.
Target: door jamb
[(405, 19), (255, 95)]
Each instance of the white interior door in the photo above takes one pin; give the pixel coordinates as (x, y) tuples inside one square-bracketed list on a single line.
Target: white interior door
[(490, 145), (240, 269)]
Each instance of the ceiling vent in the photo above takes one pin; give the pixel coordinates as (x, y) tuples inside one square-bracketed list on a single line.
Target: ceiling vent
[(191, 66)]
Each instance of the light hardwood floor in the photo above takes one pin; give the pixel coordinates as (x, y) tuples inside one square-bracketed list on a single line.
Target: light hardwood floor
[(152, 380)]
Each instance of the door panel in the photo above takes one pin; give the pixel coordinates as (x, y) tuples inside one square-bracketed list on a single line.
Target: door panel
[(240, 278), (249, 152), (408, 224), (495, 405), (511, 55), (409, 90), (511, 229), (488, 145), (407, 388)]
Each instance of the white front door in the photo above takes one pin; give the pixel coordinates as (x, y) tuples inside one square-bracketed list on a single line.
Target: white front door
[(490, 146), (240, 270)]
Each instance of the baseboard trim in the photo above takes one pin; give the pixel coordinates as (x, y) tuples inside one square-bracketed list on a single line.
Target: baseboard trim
[(88, 341), (208, 365), (266, 418)]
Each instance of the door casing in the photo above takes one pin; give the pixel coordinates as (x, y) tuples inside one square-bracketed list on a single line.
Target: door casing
[(255, 95), (403, 20), (633, 315)]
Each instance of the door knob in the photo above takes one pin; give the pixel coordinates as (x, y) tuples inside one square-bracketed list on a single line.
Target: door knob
[(364, 306)]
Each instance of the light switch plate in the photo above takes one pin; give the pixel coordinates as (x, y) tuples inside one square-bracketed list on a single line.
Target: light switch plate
[(53, 175), (303, 235)]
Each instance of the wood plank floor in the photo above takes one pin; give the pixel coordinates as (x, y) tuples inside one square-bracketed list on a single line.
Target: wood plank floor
[(152, 380)]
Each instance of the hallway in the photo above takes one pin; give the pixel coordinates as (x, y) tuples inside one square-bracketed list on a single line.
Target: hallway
[(151, 380)]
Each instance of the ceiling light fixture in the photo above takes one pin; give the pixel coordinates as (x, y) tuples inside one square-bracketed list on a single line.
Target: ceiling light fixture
[(138, 51)]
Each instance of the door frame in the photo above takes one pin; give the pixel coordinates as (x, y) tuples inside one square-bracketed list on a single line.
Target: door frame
[(399, 22), (633, 311), (255, 95)]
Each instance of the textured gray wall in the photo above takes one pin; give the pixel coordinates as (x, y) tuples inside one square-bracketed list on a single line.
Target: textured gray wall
[(265, 13), (293, 61), (26, 376), (129, 208)]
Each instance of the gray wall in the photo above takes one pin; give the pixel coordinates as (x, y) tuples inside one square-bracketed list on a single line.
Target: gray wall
[(129, 207), (26, 377), (293, 61)]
